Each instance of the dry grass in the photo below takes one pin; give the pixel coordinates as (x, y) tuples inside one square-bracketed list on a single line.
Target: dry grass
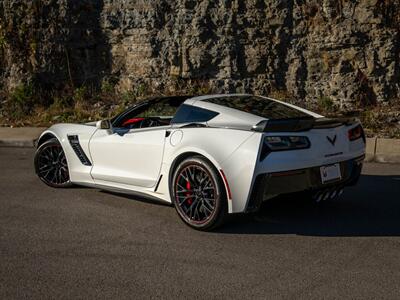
[(27, 106), (380, 120)]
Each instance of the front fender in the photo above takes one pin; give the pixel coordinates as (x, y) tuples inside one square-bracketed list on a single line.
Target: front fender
[(79, 173)]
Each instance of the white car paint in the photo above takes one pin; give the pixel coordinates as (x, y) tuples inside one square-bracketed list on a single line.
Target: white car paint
[(135, 161)]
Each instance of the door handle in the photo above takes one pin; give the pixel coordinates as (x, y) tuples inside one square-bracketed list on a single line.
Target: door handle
[(167, 133)]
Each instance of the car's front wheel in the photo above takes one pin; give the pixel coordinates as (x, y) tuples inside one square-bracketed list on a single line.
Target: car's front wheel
[(199, 194), (51, 164)]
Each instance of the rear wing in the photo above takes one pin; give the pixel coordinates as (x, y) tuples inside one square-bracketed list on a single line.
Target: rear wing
[(302, 124)]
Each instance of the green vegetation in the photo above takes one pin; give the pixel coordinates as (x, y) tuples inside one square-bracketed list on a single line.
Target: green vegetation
[(140, 90), (20, 101), (107, 87), (191, 87), (326, 104), (198, 88), (30, 106), (26, 105), (2, 41), (282, 95), (381, 121)]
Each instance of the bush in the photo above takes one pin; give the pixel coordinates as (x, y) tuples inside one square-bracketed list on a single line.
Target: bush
[(21, 101), (326, 104)]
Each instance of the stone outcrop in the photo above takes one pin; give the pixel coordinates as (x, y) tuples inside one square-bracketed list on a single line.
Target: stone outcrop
[(347, 51)]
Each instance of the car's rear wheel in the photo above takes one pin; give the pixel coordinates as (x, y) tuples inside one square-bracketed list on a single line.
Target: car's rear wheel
[(51, 164), (199, 194)]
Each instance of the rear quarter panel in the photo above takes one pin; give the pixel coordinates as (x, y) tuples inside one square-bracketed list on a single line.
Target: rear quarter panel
[(233, 151)]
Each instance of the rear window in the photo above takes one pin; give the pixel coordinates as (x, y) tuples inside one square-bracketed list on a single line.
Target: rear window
[(259, 106), (188, 114)]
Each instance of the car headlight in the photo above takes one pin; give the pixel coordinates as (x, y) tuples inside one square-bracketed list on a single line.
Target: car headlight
[(281, 143)]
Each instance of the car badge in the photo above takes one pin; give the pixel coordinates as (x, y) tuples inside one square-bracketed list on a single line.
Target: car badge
[(332, 140)]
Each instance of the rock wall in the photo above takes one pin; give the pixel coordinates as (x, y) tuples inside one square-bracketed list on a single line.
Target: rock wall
[(345, 50), (52, 42)]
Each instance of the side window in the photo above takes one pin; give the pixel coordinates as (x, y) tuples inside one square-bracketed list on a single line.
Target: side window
[(188, 114), (152, 114), (160, 109)]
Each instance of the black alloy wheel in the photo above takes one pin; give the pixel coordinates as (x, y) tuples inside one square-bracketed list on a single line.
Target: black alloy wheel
[(199, 194), (51, 164)]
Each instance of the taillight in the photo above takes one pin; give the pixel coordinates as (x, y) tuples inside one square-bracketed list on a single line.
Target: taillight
[(281, 143), (356, 133)]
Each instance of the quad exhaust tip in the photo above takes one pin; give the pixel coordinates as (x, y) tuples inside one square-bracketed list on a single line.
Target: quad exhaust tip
[(328, 194)]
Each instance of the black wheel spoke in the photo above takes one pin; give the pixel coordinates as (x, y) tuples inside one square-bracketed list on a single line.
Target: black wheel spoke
[(45, 168), (54, 177), (190, 209), (196, 212), (209, 211), (184, 198), (190, 174), (52, 165), (195, 193), (202, 179), (208, 204), (181, 187), (185, 178), (185, 191), (47, 173)]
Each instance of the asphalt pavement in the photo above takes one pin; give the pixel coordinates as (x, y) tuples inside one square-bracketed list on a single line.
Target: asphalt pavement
[(85, 243)]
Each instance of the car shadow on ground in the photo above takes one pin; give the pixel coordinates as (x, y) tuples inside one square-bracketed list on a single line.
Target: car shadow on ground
[(372, 208), (138, 197)]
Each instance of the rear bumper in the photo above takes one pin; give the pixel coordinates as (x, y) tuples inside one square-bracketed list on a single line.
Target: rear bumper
[(268, 185)]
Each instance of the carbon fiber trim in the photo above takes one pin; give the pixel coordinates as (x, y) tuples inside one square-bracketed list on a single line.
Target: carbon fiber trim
[(76, 146), (257, 193), (309, 179)]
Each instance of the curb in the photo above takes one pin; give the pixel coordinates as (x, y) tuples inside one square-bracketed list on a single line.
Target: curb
[(17, 143), (377, 149), (387, 151), (383, 150), (24, 137), (370, 149)]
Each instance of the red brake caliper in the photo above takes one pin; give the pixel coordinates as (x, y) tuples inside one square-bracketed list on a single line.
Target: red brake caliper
[(188, 187)]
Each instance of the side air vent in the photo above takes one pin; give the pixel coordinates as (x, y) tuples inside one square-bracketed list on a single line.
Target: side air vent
[(74, 141), (257, 193)]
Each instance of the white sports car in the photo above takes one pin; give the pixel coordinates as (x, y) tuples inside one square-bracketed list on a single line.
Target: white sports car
[(210, 156)]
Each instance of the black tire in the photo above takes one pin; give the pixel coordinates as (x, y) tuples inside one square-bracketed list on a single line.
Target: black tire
[(198, 194), (51, 164)]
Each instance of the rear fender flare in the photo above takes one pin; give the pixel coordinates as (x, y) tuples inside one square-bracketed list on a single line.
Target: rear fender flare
[(189, 152)]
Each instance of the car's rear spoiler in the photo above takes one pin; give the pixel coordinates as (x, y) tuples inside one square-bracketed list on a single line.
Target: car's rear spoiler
[(301, 124)]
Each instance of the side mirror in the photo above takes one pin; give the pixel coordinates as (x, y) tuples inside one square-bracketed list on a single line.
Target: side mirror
[(103, 124)]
